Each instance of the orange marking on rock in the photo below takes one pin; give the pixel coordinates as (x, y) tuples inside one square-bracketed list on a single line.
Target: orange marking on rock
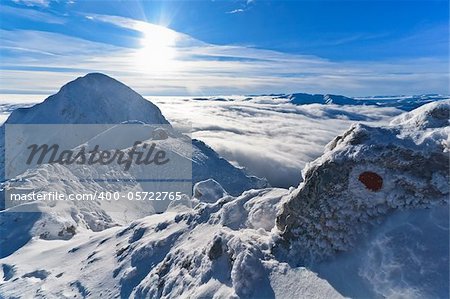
[(371, 180)]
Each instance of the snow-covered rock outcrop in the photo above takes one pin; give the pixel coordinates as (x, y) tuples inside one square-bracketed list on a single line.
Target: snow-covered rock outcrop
[(365, 175)]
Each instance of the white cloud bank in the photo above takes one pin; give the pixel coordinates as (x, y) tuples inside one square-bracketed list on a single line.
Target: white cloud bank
[(269, 137)]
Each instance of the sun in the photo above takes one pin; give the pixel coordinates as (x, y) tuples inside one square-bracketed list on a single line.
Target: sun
[(157, 52)]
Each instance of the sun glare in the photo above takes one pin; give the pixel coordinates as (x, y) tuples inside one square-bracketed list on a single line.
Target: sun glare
[(157, 52)]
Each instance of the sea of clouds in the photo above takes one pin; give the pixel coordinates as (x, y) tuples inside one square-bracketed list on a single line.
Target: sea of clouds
[(269, 136)]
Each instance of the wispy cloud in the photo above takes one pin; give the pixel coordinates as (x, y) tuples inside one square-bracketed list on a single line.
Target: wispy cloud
[(43, 3), (246, 5), (201, 68), (32, 14), (236, 11)]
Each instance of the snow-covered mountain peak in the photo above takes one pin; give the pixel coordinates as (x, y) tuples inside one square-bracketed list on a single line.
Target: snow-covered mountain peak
[(92, 99)]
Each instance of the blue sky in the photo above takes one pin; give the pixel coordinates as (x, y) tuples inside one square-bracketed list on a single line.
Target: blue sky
[(228, 47)]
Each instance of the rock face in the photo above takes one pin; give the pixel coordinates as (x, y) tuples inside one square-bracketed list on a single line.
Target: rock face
[(364, 175)]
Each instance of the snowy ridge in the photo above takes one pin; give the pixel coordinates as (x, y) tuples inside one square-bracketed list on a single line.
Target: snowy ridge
[(434, 115)]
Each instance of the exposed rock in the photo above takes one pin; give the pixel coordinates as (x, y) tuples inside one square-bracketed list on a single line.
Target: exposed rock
[(216, 249)]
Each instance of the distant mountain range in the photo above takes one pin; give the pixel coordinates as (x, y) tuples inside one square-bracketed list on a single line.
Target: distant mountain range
[(406, 103)]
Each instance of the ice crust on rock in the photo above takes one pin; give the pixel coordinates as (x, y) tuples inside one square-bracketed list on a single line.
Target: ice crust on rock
[(332, 208)]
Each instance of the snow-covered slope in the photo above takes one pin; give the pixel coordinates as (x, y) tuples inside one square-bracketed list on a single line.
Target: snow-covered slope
[(369, 221), (219, 250), (435, 115)]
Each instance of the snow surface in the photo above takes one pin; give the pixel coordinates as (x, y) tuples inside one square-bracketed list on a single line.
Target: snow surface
[(188, 255), (263, 243)]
